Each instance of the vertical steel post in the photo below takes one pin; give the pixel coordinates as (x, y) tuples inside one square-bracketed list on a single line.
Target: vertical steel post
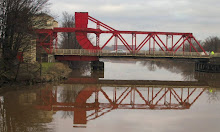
[(170, 95), (132, 43), (56, 43), (148, 93), (183, 45), (181, 94), (165, 96), (149, 45), (134, 96), (51, 42), (166, 41), (97, 36), (97, 40), (190, 47), (114, 95), (172, 41), (154, 44), (188, 95), (152, 95), (116, 42), (135, 42), (96, 101)]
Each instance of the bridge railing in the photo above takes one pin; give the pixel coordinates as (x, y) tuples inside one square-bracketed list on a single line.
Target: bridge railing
[(83, 52), (216, 55)]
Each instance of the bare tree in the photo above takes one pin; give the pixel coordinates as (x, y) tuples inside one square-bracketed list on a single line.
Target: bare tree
[(188, 47), (19, 14), (212, 44), (69, 38), (18, 31), (2, 22)]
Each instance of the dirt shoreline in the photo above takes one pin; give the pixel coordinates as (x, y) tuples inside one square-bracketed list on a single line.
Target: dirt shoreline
[(48, 73)]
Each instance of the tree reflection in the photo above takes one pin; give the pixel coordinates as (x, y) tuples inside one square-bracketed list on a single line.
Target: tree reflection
[(17, 113), (2, 116), (185, 68), (150, 65), (213, 95), (80, 68), (68, 95)]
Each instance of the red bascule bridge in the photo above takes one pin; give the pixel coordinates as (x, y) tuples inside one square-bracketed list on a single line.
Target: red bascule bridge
[(170, 44)]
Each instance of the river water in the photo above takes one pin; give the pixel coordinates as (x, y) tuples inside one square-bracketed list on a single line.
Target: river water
[(131, 95)]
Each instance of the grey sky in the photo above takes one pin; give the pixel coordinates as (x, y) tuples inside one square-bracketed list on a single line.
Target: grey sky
[(201, 17)]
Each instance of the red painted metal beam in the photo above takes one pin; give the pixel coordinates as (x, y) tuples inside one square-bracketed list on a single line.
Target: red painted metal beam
[(92, 30), (86, 30), (107, 41)]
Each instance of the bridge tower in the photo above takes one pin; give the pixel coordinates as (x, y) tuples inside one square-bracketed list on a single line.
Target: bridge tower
[(81, 21)]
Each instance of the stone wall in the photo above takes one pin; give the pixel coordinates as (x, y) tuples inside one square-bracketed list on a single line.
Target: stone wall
[(30, 54)]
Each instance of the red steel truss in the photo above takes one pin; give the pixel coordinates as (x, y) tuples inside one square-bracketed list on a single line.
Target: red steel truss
[(104, 100), (165, 41)]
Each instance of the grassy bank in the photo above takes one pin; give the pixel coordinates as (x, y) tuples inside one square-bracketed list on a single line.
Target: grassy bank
[(35, 73), (54, 71)]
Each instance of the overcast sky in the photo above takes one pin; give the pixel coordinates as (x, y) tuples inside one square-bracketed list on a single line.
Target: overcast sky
[(201, 17)]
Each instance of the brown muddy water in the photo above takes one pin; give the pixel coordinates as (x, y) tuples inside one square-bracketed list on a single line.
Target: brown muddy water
[(130, 95)]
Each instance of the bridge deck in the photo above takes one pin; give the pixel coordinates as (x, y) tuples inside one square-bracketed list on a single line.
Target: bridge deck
[(141, 54)]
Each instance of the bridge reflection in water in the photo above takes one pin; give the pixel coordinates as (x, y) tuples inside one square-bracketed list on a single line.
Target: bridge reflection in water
[(92, 101)]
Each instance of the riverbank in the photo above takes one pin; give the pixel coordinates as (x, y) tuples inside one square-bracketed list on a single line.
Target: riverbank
[(54, 72), (34, 73)]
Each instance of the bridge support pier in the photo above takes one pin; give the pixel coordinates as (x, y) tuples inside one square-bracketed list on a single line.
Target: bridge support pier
[(97, 74), (97, 65)]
